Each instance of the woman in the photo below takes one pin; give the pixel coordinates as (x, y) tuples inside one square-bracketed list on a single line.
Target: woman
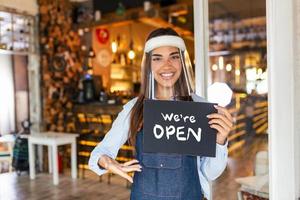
[(166, 75)]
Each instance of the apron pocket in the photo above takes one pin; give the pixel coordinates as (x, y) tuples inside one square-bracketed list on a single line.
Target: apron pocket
[(161, 174)]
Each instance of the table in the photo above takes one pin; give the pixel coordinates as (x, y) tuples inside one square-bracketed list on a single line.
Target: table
[(255, 185), (52, 140)]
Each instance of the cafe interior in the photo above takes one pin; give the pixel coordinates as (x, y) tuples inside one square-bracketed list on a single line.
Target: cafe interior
[(69, 66)]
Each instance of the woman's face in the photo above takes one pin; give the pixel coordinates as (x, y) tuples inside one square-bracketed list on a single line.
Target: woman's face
[(166, 66)]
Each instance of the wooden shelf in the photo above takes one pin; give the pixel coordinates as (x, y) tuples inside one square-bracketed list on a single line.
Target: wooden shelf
[(237, 47), (121, 79), (156, 17), (126, 67)]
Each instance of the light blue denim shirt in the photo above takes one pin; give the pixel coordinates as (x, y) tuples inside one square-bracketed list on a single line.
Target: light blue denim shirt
[(208, 168)]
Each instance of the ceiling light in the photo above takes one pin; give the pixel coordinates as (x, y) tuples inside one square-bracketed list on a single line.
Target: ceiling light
[(221, 63), (131, 54), (114, 47), (228, 67), (214, 67)]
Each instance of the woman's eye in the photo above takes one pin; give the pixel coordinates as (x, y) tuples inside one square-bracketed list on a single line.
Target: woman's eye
[(156, 59), (175, 57)]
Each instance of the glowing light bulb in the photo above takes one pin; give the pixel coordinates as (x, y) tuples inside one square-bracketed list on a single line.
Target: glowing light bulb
[(131, 54), (228, 67), (214, 67), (221, 63), (114, 47), (259, 71)]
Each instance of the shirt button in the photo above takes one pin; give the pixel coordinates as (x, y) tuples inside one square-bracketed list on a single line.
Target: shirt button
[(161, 165)]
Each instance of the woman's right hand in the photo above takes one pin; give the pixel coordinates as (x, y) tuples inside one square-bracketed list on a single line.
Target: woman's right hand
[(120, 169)]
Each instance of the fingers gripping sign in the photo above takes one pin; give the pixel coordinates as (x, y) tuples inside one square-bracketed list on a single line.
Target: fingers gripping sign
[(222, 122)]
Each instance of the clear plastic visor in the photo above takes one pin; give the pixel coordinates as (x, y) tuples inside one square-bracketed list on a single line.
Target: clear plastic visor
[(168, 74)]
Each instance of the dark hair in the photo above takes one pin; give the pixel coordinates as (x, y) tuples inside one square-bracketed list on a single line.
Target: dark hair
[(136, 116)]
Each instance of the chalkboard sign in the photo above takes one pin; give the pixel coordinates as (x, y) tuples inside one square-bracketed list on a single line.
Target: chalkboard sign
[(179, 127)]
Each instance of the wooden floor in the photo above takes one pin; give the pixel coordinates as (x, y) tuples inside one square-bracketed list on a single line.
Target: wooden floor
[(13, 187), (239, 164)]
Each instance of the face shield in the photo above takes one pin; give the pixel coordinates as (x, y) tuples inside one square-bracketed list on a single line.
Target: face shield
[(167, 69)]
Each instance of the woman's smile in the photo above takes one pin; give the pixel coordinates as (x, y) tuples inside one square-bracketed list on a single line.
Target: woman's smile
[(167, 75)]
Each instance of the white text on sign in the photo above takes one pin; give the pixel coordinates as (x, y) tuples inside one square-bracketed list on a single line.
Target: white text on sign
[(180, 132)]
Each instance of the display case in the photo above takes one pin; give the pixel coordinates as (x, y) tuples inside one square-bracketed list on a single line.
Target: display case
[(123, 77), (17, 32)]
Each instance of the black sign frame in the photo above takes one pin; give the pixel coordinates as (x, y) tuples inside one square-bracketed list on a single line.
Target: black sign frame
[(178, 133)]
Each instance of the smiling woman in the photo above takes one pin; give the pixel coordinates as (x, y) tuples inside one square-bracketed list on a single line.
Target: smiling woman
[(166, 75)]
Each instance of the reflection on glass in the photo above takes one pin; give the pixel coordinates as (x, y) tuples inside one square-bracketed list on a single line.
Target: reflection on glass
[(237, 50)]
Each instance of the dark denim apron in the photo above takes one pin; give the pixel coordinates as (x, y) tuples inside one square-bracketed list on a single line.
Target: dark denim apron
[(165, 176)]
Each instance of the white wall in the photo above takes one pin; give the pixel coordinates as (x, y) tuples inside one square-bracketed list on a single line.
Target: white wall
[(7, 106), (21, 102), (297, 93), (201, 35), (34, 92), (30, 6), (283, 96)]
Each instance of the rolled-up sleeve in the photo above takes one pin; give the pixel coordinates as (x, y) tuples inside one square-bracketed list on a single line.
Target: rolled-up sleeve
[(113, 140), (213, 167)]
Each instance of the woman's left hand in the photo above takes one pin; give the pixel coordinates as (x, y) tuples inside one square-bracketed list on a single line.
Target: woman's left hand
[(222, 122)]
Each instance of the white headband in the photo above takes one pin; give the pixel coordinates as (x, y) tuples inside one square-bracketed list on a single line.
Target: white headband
[(165, 40)]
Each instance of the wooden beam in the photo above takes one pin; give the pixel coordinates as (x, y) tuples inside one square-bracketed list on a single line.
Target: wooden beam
[(159, 22)]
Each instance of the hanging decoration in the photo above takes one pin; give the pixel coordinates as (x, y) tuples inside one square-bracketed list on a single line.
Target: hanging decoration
[(120, 9), (58, 64), (102, 35), (131, 53), (104, 57)]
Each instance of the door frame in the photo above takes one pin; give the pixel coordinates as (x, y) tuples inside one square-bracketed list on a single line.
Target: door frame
[(283, 46)]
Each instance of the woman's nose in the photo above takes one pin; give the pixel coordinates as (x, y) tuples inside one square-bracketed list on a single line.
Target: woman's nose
[(168, 61)]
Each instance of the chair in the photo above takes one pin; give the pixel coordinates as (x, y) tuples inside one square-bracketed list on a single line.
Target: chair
[(261, 170), (86, 143), (261, 166), (91, 129)]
